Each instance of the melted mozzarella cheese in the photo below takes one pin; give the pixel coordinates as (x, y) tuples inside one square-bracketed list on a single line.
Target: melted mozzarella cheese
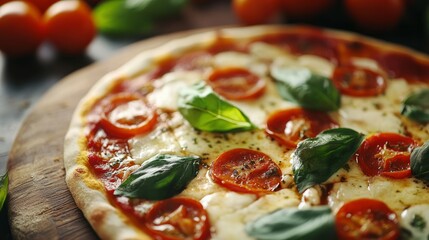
[(259, 110), (158, 141), (167, 91), (397, 194), (416, 220), (266, 51), (366, 63), (231, 218), (316, 64)]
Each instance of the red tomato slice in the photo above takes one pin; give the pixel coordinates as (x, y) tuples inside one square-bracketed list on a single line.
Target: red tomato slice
[(290, 126), (315, 43), (127, 115), (245, 170), (386, 154), (366, 219), (197, 60), (236, 83), (178, 218), (358, 82)]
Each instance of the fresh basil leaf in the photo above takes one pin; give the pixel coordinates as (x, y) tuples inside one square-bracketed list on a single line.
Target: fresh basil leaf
[(156, 9), (316, 159), (312, 223), (309, 90), (4, 183), (132, 17), (416, 107), (206, 111), (419, 162), (160, 177)]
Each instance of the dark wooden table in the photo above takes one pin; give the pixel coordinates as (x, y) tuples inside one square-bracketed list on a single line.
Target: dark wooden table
[(24, 81)]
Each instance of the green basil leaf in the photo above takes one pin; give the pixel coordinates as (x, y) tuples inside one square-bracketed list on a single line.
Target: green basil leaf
[(132, 17), (419, 162), (115, 17), (157, 9), (309, 90), (416, 107), (312, 223), (206, 111), (316, 159), (4, 184), (160, 177)]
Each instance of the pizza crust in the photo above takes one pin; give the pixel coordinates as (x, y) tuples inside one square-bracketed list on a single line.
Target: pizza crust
[(88, 192)]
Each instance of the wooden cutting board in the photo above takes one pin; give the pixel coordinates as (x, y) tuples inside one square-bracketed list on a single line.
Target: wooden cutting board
[(40, 205)]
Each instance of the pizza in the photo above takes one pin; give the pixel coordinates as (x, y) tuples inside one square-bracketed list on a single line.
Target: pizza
[(267, 132)]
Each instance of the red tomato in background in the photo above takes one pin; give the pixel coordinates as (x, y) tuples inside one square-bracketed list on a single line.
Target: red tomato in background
[(376, 15), (304, 9), (70, 26), (251, 12), (21, 28), (42, 5)]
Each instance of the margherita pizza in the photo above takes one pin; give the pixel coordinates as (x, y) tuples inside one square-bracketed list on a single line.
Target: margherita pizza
[(257, 133)]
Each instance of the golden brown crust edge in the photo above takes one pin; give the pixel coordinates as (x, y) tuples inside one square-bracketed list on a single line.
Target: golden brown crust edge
[(88, 192)]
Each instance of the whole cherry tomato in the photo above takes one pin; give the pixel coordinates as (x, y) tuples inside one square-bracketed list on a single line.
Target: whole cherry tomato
[(303, 9), (380, 15), (21, 28), (70, 26), (252, 12), (42, 5)]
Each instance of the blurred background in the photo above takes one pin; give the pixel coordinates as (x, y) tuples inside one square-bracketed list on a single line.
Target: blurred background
[(42, 41)]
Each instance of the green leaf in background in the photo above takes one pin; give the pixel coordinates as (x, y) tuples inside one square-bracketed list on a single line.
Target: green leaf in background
[(133, 17), (419, 162), (4, 183), (160, 177), (294, 224), (416, 107), (206, 111), (309, 90), (316, 159)]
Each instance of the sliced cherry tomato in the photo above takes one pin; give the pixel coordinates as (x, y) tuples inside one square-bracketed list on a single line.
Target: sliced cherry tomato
[(290, 126), (386, 154), (358, 82), (245, 170), (315, 43), (21, 28), (380, 15), (236, 83), (255, 11), (193, 61), (366, 219), (301, 9), (178, 218), (70, 26), (126, 115), (400, 65)]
